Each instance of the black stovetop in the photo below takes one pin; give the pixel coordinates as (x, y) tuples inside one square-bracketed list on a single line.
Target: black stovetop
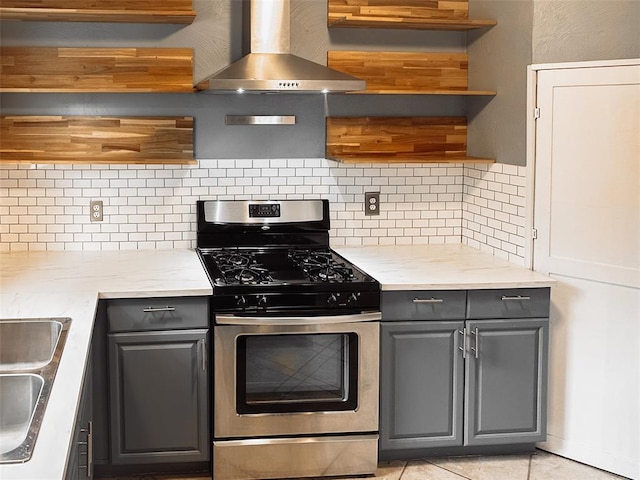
[(274, 257)]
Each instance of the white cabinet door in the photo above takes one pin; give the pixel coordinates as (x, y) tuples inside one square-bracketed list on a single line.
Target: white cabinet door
[(587, 215)]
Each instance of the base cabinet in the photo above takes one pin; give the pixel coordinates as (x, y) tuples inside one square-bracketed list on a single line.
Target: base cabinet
[(452, 385), (80, 461), (158, 382), (421, 383)]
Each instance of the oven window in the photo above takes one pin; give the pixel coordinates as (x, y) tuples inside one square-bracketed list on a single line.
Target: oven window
[(297, 373)]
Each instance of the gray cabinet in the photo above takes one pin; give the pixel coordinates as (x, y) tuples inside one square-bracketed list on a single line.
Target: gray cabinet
[(451, 386), (158, 381), (80, 461), (421, 384), (505, 380)]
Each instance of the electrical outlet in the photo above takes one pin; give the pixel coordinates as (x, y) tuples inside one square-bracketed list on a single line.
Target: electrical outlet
[(372, 203), (96, 210)]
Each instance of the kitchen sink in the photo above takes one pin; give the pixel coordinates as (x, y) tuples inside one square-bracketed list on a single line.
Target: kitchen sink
[(19, 396), (28, 344), (30, 350)]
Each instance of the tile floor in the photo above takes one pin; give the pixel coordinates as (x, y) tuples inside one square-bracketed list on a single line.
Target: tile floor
[(541, 466)]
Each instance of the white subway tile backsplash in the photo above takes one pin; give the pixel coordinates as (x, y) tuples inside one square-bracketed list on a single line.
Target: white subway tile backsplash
[(493, 209), (153, 206)]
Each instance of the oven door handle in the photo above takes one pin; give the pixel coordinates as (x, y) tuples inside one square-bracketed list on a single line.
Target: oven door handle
[(298, 320)]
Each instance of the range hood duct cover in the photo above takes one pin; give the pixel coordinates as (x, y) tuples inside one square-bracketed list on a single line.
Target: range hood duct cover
[(269, 66)]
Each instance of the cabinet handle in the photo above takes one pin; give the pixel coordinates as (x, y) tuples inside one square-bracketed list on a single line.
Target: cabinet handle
[(159, 309), (428, 300), (90, 450), (476, 342), (202, 347), (516, 298), (463, 332)]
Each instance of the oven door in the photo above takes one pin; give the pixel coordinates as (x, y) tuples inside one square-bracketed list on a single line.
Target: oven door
[(286, 376)]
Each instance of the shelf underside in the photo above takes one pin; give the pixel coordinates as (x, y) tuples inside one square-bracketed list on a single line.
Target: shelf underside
[(398, 140), (409, 14), (82, 139), (126, 11)]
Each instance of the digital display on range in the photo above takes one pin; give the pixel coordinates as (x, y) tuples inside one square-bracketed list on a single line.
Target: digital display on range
[(270, 210)]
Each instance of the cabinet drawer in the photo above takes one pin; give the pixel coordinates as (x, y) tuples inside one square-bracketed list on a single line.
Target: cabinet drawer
[(164, 313), (423, 305), (508, 303)]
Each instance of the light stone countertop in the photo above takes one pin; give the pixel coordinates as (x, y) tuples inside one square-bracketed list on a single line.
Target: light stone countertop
[(69, 284), (440, 267)]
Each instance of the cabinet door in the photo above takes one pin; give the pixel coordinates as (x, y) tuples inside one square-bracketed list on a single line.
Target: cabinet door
[(421, 384), (158, 397), (505, 396)]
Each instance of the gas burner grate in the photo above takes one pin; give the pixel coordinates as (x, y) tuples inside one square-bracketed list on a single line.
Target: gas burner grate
[(320, 266), (244, 275), (240, 268)]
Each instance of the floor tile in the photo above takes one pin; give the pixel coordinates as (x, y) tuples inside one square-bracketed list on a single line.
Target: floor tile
[(547, 466), (504, 467), (424, 470)]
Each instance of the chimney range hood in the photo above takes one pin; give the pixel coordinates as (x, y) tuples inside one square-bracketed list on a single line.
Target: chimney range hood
[(269, 66)]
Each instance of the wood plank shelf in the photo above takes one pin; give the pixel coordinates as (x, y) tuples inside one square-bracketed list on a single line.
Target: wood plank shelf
[(400, 14), (83, 139), (398, 140), (121, 11), (100, 70), (408, 73)]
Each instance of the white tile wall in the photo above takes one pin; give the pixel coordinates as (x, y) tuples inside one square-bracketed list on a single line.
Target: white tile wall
[(46, 207), (493, 217)]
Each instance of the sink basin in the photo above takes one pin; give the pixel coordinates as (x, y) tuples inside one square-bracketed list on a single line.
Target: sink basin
[(28, 344), (19, 395), (30, 350)]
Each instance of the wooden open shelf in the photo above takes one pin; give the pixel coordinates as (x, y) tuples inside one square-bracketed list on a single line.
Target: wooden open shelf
[(409, 73), (399, 140), (126, 11), (409, 14), (79, 139), (128, 70)]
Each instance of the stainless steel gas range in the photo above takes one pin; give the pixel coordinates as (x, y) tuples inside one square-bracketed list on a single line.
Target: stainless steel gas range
[(296, 339)]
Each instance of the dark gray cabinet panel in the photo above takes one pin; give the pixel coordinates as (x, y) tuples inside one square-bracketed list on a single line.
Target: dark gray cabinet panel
[(421, 381), (505, 396), (428, 404), (165, 313), (80, 461), (423, 305), (508, 303), (158, 397)]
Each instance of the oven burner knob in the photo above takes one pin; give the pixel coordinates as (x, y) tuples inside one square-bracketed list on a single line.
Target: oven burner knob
[(262, 301), (332, 300), (353, 298), (241, 302)]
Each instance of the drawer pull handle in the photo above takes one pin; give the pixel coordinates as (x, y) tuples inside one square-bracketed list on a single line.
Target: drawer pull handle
[(428, 300), (517, 298), (159, 309)]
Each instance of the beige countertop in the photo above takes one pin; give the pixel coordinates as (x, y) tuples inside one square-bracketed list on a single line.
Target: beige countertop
[(69, 284), (440, 267)]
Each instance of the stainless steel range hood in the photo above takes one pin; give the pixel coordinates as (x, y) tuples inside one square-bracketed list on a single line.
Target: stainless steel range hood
[(269, 66)]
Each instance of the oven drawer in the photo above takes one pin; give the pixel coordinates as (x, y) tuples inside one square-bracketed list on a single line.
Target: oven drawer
[(508, 303), (163, 313), (423, 305)]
